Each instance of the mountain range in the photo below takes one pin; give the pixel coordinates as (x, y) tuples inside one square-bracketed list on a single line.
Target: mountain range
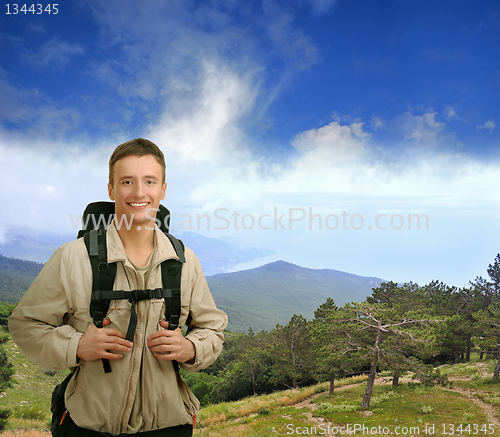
[(257, 298), (15, 277), (271, 294)]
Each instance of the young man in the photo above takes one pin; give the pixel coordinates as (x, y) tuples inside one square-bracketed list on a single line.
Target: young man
[(143, 394)]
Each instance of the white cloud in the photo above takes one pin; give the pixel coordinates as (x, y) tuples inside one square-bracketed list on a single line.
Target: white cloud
[(207, 125), (54, 54), (488, 125), (32, 111), (377, 123), (337, 167), (162, 47), (320, 7), (423, 129), (49, 180), (450, 113), (291, 42), (332, 144)]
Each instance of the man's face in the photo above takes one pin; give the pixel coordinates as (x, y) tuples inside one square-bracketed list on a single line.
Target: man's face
[(137, 188)]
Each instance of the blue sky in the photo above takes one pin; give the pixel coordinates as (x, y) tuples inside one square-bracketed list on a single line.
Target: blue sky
[(324, 113)]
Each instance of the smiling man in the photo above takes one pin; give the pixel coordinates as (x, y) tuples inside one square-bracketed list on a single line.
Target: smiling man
[(144, 394)]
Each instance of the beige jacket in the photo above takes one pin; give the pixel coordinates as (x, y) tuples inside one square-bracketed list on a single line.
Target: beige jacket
[(103, 401)]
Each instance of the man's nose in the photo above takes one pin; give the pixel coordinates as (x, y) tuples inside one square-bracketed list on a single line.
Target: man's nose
[(138, 190)]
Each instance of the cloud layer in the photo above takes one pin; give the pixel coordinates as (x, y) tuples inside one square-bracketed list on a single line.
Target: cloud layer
[(200, 81)]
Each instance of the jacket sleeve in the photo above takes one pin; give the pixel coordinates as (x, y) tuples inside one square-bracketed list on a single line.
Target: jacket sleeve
[(35, 323), (206, 322)]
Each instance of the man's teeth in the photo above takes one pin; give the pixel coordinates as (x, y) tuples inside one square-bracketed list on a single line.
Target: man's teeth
[(138, 204)]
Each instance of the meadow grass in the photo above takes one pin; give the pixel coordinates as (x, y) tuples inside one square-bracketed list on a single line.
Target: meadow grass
[(287, 412), (403, 406)]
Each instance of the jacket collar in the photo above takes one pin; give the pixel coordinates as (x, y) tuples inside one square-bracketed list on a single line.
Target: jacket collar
[(163, 248)]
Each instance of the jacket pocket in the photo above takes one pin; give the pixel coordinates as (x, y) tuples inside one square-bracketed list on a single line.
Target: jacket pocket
[(119, 315)]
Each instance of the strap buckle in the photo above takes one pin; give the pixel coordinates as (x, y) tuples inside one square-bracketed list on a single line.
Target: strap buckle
[(103, 268), (98, 319), (173, 323), (140, 295)]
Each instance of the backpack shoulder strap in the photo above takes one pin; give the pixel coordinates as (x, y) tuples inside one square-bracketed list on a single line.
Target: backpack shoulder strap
[(103, 277), (178, 246), (171, 271)]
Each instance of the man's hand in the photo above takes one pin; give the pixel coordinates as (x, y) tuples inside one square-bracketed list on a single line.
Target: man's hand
[(171, 345), (98, 343)]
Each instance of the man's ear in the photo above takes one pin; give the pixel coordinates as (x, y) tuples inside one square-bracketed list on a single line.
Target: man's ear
[(110, 192), (164, 189)]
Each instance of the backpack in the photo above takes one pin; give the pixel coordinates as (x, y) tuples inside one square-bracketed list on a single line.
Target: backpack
[(103, 278), (103, 273)]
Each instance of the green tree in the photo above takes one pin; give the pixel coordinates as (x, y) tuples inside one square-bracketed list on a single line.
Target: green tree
[(255, 365), (494, 274), (384, 336), (491, 318), (5, 311), (231, 384), (456, 308), (406, 297), (201, 384), (292, 353), (332, 360)]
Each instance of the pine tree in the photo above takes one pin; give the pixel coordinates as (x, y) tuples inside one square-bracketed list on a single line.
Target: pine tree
[(494, 274), (6, 369)]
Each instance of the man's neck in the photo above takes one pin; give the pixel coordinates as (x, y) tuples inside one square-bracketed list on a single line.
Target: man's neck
[(138, 243)]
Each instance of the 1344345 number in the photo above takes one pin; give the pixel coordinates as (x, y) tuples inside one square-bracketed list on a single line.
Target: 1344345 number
[(38, 9)]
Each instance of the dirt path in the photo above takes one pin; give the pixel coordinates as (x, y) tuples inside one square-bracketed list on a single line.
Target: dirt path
[(489, 410), (312, 406)]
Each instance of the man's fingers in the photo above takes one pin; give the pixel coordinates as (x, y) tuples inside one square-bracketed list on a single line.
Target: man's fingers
[(103, 343), (113, 333), (111, 355), (121, 347)]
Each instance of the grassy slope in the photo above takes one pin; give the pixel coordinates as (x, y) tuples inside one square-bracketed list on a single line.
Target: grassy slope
[(29, 398), (280, 412)]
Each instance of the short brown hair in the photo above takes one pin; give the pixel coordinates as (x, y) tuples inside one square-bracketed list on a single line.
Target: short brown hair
[(140, 147)]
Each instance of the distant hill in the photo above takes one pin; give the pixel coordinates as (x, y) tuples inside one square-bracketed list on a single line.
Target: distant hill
[(262, 297), (258, 298), (15, 277)]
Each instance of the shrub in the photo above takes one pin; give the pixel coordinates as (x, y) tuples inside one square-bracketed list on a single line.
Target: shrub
[(431, 377), (345, 407), (4, 415), (6, 369), (263, 410), (31, 413), (426, 409)]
